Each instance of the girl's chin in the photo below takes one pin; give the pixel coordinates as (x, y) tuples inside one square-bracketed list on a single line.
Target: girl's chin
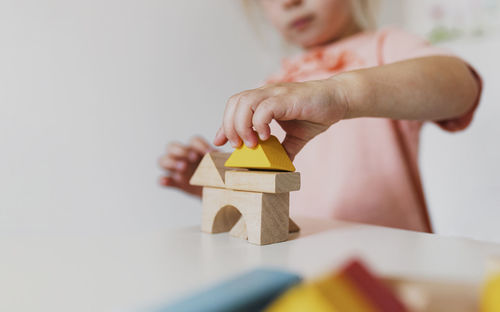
[(308, 43), (310, 39)]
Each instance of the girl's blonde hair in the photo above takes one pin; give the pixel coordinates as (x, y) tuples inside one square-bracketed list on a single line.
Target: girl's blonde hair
[(365, 12)]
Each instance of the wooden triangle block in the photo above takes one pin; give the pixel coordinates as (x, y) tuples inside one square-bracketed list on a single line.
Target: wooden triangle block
[(210, 171), (267, 155)]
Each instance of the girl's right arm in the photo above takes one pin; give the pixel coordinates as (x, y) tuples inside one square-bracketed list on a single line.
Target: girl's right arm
[(180, 162)]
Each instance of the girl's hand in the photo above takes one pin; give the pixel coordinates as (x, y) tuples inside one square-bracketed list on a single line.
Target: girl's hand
[(302, 109), (181, 161)]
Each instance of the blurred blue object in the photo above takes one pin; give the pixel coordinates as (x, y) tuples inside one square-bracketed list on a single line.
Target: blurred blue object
[(252, 291)]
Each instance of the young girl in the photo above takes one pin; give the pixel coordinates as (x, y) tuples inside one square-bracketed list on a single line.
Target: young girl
[(350, 110)]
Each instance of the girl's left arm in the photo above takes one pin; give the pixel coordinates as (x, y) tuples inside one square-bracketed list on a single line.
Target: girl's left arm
[(428, 88)]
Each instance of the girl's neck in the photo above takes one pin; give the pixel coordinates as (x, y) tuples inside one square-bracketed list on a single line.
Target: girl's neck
[(350, 30)]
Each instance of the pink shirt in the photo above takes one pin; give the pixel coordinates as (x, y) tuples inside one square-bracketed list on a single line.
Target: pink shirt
[(366, 169)]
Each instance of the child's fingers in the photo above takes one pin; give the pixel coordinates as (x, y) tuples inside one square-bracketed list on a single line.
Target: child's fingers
[(269, 109), (243, 125), (244, 113), (177, 150), (220, 137), (228, 121), (263, 129), (170, 181), (167, 181), (200, 146), (172, 164), (178, 177), (293, 145)]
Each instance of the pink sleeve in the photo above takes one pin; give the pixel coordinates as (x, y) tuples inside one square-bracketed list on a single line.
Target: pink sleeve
[(396, 45)]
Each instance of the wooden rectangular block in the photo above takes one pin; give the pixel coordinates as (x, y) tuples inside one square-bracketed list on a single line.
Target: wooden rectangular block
[(263, 181)]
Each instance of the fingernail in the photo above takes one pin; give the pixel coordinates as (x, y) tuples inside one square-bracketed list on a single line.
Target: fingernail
[(261, 136), (180, 165), (236, 144)]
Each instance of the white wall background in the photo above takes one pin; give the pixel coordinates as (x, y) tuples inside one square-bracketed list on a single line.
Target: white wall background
[(91, 92), (461, 171)]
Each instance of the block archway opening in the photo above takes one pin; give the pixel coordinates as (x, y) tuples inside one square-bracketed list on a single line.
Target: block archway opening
[(226, 218)]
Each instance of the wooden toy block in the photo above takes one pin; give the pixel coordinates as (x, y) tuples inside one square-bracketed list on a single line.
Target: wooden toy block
[(218, 216), (263, 181), (292, 226), (251, 204), (211, 170), (267, 155), (265, 215), (239, 230)]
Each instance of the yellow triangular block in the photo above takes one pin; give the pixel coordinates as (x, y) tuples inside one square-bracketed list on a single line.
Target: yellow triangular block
[(267, 155)]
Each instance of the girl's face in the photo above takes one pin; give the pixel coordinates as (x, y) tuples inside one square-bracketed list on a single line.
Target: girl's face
[(310, 23)]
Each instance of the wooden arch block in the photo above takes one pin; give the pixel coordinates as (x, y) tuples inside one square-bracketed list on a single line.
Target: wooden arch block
[(265, 215), (267, 155), (239, 230)]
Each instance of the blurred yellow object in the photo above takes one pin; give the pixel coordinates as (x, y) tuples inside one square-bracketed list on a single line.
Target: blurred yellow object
[(331, 293), (343, 295), (352, 289), (305, 297), (490, 299), (267, 155)]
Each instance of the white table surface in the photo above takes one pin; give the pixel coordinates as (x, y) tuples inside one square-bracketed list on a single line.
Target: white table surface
[(127, 272)]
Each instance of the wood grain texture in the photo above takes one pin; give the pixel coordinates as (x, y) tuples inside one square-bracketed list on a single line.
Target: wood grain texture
[(239, 230), (265, 215), (263, 181), (218, 215), (293, 227), (211, 170)]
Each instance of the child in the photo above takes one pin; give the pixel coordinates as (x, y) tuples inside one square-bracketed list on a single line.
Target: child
[(350, 110)]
